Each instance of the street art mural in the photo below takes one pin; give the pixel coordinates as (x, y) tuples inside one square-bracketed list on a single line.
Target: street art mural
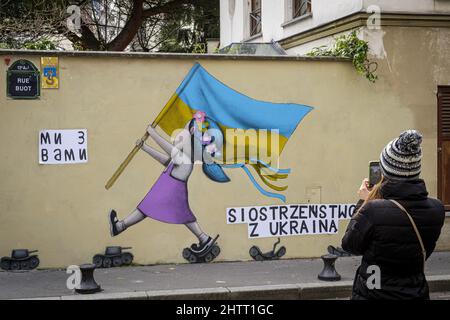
[(211, 124)]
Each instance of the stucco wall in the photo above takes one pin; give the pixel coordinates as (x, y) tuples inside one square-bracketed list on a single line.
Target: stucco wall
[(61, 210), (416, 62)]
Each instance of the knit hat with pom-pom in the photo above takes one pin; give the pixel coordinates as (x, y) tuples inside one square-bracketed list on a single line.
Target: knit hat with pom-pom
[(401, 158)]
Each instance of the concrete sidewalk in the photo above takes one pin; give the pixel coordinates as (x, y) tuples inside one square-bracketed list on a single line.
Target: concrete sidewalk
[(284, 279)]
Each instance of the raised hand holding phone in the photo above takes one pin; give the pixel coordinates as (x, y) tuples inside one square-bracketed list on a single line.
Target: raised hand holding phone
[(363, 191)]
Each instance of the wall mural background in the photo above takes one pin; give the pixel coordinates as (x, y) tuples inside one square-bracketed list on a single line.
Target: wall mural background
[(201, 110), (61, 209)]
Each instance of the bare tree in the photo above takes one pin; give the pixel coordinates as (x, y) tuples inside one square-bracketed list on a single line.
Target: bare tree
[(30, 21), (113, 25)]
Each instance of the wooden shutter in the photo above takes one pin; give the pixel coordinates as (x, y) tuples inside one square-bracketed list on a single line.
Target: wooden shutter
[(444, 145), (444, 106)]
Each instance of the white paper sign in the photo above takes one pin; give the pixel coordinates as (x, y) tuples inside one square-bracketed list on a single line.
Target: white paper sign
[(290, 220), (63, 146)]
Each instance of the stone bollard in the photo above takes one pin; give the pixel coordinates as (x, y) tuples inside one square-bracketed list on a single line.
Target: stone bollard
[(328, 272), (87, 284)]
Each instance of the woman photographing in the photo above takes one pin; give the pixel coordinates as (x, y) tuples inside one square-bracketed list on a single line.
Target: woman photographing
[(396, 226)]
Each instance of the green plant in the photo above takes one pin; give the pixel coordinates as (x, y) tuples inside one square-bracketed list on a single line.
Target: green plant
[(78, 46), (350, 46), (40, 45), (199, 48)]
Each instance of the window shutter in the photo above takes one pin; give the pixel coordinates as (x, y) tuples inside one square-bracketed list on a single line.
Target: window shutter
[(444, 112), (444, 145)]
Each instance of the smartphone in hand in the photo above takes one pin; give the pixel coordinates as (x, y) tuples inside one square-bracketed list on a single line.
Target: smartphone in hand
[(374, 173)]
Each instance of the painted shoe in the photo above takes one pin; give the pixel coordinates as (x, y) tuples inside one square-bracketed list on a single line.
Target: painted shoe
[(202, 247), (112, 218)]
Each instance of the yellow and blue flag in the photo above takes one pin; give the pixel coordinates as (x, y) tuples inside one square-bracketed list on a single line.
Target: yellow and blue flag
[(233, 110)]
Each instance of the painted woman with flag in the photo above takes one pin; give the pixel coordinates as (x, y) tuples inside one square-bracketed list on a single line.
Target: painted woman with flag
[(167, 201), (205, 108)]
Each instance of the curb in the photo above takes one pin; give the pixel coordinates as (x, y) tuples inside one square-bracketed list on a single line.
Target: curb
[(300, 291)]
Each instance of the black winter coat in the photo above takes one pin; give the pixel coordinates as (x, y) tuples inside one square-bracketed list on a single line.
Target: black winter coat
[(383, 234)]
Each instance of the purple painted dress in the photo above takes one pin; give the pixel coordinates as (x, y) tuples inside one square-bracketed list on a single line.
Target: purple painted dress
[(167, 200)]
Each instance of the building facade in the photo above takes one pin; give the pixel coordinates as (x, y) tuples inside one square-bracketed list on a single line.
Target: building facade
[(60, 209), (300, 25)]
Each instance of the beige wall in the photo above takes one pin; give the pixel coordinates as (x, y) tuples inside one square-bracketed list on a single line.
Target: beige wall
[(61, 210), (416, 62)]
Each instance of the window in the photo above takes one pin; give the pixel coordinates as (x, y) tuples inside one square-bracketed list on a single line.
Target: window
[(300, 8), (255, 17)]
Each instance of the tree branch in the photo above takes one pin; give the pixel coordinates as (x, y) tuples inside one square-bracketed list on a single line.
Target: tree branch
[(127, 34), (165, 8)]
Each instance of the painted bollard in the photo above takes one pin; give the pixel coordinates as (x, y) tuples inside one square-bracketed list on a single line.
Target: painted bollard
[(329, 272), (87, 284)]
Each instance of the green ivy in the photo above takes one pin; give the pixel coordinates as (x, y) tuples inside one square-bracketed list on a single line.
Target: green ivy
[(350, 46)]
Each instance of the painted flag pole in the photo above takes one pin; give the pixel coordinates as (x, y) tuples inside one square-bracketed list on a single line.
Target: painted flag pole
[(133, 152), (124, 164), (200, 90)]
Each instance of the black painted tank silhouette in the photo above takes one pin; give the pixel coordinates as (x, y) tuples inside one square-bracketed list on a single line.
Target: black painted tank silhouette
[(20, 260), (113, 257), (258, 255), (338, 251)]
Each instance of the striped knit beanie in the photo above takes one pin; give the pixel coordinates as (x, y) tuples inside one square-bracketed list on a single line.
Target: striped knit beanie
[(401, 158)]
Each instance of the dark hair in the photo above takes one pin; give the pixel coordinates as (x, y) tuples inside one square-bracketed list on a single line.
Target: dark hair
[(213, 170)]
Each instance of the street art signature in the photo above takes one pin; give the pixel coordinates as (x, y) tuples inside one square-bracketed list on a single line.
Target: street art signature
[(220, 128)]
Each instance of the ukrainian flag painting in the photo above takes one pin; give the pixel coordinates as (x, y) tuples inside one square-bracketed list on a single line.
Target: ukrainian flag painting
[(233, 110)]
